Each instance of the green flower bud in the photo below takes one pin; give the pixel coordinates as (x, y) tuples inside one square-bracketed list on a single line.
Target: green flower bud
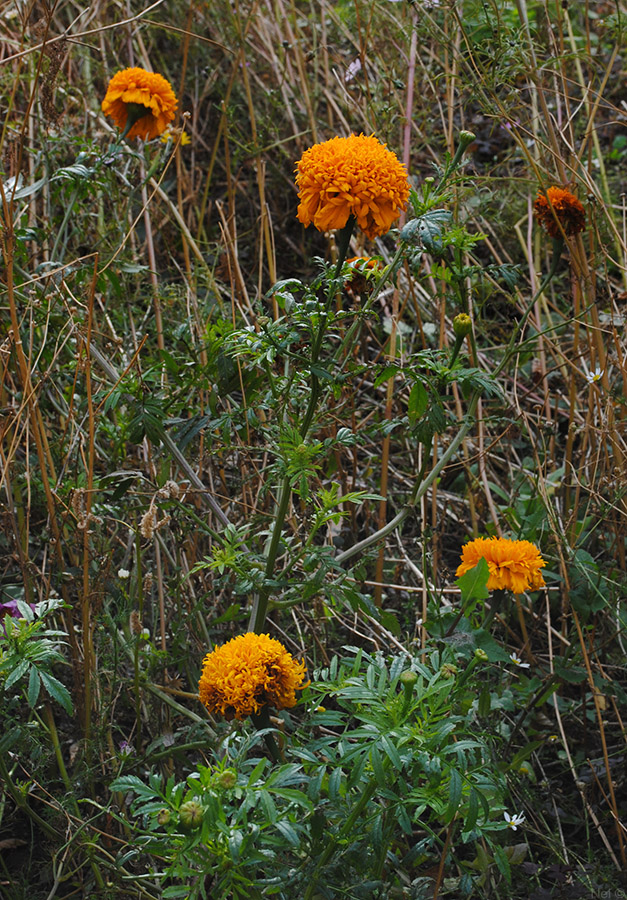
[(462, 325), (481, 654), (466, 138), (163, 816), (191, 814), (227, 779), (449, 670), (408, 679)]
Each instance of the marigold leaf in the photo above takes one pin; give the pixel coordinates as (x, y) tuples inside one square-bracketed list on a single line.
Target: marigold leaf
[(473, 584)]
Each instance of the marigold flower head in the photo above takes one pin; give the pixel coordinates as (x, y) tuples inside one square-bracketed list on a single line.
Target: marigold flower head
[(354, 176), (247, 673), (146, 97), (513, 565), (559, 205)]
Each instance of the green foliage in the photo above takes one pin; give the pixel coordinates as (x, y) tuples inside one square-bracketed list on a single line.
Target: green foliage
[(367, 781), (29, 650)]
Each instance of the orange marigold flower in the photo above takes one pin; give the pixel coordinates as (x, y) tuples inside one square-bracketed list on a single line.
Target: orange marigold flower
[(513, 565), (247, 673), (354, 176), (559, 205), (146, 97)]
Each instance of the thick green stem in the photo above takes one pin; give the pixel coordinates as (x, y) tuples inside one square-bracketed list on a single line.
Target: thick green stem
[(260, 604), (261, 721)]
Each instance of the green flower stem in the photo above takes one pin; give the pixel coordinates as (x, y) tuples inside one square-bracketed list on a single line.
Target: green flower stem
[(465, 140), (260, 602), (261, 721), (351, 333), (54, 737), (343, 242), (558, 244), (421, 487), (19, 798), (344, 832)]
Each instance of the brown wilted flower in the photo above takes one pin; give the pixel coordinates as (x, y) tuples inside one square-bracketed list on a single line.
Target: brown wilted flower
[(559, 207), (148, 523), (364, 270)]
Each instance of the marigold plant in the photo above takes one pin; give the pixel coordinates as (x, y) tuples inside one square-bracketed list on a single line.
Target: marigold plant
[(354, 176), (513, 565), (558, 205), (248, 673), (146, 97)]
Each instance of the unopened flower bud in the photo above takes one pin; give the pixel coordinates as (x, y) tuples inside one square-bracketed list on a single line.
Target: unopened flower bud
[(227, 779), (466, 138), (163, 816), (449, 670), (462, 325), (408, 679), (481, 654), (191, 814)]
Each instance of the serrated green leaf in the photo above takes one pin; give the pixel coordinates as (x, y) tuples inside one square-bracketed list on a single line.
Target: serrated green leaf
[(269, 806), (392, 752), (377, 835), (377, 765), (454, 795), (256, 772), (294, 796), (335, 780), (16, 674), (34, 684), (175, 891), (10, 739), (288, 832), (473, 584), (132, 783), (57, 691), (385, 375), (473, 811), (418, 402)]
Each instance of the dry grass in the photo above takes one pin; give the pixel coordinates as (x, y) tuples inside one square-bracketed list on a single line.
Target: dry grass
[(118, 285)]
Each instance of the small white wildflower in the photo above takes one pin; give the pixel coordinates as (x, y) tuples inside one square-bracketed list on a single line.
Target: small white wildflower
[(353, 69), (518, 661), (514, 821), (124, 573), (593, 377)]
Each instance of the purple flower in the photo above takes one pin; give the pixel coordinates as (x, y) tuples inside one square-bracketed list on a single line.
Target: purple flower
[(10, 609)]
